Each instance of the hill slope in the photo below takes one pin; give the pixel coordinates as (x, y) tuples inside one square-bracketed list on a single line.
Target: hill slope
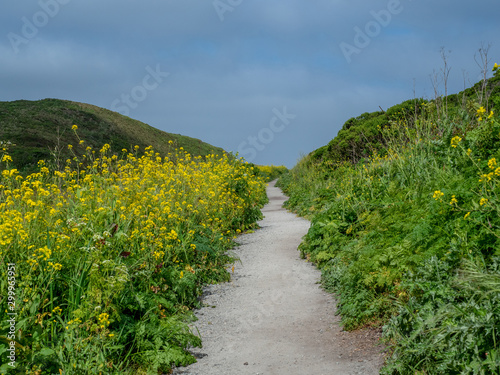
[(408, 237), (37, 128), (361, 136)]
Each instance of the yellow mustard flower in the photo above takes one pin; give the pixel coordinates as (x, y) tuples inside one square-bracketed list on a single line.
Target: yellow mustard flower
[(437, 194), (455, 141), (6, 158), (492, 163), (57, 310)]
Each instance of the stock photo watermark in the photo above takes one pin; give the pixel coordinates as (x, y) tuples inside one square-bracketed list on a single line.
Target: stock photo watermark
[(373, 28), (32, 25), (11, 314), (139, 93), (223, 6), (249, 148)]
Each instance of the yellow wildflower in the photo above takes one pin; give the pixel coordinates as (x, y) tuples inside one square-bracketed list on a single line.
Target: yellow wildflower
[(455, 141), (483, 201), (57, 310), (486, 177), (437, 194), (74, 127), (492, 163), (6, 158), (103, 319), (56, 266)]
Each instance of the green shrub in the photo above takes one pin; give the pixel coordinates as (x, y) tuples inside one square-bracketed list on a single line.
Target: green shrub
[(407, 235)]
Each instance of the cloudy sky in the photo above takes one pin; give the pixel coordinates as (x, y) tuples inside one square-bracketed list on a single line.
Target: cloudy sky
[(272, 79)]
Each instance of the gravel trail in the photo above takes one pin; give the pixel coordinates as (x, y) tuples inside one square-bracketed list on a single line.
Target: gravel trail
[(273, 318)]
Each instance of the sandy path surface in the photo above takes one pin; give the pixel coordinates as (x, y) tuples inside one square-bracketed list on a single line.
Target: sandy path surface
[(273, 318)]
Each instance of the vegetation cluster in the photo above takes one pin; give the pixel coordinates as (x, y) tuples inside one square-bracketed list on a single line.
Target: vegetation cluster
[(405, 211), (271, 172), (41, 130), (111, 253)]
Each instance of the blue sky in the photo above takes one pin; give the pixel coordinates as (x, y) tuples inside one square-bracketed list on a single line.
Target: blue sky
[(272, 79)]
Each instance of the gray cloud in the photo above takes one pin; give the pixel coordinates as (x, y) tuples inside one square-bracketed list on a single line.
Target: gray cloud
[(226, 77)]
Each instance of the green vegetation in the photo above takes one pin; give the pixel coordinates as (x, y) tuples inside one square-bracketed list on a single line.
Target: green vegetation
[(406, 229), (41, 130), (361, 136), (272, 172), (103, 262)]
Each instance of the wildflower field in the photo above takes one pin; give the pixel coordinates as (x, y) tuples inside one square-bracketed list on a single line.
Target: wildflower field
[(103, 260), (409, 237), (271, 172)]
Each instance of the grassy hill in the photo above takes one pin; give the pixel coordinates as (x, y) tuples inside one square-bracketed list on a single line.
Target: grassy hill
[(405, 210), (361, 136), (38, 129)]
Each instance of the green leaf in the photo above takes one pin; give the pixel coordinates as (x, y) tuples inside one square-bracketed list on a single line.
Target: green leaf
[(46, 352)]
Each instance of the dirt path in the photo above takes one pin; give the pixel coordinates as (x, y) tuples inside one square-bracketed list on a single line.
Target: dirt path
[(273, 318)]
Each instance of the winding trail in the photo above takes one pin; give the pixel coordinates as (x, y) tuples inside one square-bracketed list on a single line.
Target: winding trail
[(273, 318)]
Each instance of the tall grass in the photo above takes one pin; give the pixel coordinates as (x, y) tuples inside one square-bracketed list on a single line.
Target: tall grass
[(111, 254), (271, 172), (409, 239)]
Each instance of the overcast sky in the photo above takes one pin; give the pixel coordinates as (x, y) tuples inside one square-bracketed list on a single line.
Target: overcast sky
[(272, 79)]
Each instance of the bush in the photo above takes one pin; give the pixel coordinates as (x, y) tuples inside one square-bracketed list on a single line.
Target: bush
[(409, 239), (111, 253)]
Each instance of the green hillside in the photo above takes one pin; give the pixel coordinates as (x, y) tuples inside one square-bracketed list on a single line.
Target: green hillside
[(405, 210), (361, 136), (38, 129)]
